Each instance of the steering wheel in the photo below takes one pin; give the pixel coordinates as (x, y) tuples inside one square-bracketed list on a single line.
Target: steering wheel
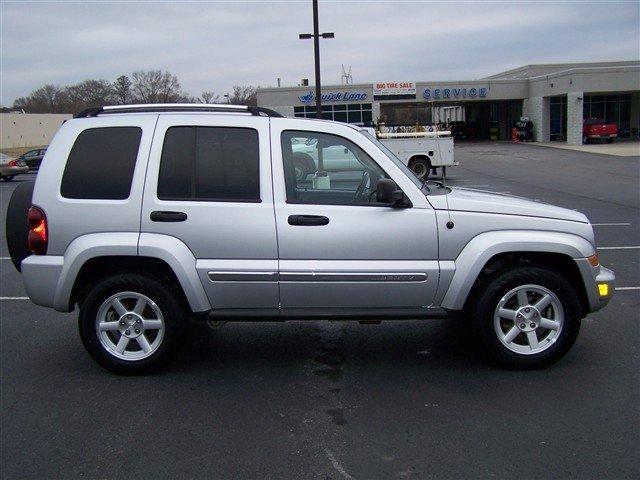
[(362, 187)]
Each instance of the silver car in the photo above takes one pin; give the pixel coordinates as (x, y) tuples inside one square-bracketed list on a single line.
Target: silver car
[(144, 216), (10, 167)]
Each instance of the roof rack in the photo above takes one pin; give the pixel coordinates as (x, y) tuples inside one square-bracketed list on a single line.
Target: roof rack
[(176, 107)]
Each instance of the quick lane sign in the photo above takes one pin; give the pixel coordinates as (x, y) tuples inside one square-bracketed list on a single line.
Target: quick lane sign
[(394, 90), (334, 97)]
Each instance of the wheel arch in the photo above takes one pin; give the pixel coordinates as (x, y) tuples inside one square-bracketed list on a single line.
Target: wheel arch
[(92, 255), (419, 156), (487, 252)]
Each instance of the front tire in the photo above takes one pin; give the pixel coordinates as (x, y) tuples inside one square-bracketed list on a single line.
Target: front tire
[(528, 317), (131, 324)]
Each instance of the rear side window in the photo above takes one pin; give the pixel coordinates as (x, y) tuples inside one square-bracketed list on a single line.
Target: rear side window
[(101, 164), (210, 164)]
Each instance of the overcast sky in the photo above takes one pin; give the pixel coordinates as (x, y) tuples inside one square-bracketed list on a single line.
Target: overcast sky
[(215, 45)]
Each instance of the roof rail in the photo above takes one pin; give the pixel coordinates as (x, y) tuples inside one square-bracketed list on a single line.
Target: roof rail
[(176, 107)]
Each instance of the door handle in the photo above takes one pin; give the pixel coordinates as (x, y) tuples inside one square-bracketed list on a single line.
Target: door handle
[(308, 220), (168, 216)]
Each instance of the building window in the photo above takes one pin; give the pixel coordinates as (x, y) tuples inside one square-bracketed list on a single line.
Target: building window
[(558, 114), (357, 113), (613, 108)]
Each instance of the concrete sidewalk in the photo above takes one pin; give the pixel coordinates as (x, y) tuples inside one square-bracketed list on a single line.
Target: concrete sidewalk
[(619, 148)]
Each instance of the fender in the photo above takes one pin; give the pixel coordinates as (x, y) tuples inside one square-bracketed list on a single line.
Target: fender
[(475, 255), (171, 250), (84, 248), (178, 256)]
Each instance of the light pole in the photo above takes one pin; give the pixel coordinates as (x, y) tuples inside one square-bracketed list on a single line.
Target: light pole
[(316, 53)]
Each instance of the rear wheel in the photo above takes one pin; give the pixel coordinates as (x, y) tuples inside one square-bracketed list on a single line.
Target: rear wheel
[(7, 178), (421, 167), (301, 162), (131, 324), (528, 318)]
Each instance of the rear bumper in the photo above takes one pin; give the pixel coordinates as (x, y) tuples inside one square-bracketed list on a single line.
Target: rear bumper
[(7, 170), (40, 275)]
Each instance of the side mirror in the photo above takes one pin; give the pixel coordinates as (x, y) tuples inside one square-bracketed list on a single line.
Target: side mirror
[(387, 191)]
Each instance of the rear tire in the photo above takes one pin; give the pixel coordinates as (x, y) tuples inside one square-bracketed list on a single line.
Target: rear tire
[(421, 167), (520, 332), (301, 162), (131, 338)]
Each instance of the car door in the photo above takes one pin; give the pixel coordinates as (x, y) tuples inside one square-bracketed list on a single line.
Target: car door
[(209, 185), (338, 248)]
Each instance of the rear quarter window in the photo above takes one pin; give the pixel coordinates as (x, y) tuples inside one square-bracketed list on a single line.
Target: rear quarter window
[(101, 164)]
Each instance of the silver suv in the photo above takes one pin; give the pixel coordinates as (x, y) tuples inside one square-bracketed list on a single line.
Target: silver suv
[(147, 216)]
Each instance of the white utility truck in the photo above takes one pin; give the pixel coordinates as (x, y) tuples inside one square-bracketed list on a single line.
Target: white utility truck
[(422, 152)]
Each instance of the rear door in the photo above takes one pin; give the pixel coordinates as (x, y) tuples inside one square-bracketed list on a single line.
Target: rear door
[(209, 185)]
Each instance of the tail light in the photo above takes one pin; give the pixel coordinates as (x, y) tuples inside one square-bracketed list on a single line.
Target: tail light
[(13, 163), (38, 232)]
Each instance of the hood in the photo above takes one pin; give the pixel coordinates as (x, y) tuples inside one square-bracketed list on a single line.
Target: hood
[(468, 200)]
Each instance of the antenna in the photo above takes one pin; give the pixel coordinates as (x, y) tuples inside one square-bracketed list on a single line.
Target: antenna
[(347, 78), (450, 223)]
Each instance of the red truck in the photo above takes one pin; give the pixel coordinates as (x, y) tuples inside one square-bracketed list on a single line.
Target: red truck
[(597, 129)]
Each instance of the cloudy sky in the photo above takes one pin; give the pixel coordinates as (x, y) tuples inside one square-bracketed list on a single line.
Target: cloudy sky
[(215, 45)]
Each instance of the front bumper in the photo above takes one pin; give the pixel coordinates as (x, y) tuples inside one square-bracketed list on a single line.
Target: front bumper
[(599, 283)]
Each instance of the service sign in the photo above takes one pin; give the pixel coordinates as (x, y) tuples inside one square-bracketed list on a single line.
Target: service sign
[(394, 90)]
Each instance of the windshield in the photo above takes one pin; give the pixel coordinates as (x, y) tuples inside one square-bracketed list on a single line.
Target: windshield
[(407, 171)]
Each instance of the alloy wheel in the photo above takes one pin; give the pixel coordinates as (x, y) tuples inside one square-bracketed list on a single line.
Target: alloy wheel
[(130, 326), (528, 319)]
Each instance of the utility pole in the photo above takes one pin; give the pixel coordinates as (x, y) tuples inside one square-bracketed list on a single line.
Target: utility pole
[(316, 53)]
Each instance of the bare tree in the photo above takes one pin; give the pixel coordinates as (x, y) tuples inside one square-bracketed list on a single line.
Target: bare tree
[(46, 99), (122, 89), (90, 93), (209, 97), (243, 95), (154, 86)]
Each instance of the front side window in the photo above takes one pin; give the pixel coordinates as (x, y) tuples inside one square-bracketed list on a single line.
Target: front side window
[(210, 164), (101, 164), (327, 169)]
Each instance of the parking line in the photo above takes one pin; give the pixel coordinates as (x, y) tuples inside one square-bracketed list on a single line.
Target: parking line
[(610, 224), (633, 247), (5, 258), (627, 288), (14, 298)]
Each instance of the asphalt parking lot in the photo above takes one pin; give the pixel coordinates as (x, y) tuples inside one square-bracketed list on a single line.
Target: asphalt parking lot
[(410, 399)]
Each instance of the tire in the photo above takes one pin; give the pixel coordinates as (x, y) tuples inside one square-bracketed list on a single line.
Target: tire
[(17, 223), (7, 178), (609, 140), (421, 167), (564, 313), (301, 162), (164, 313)]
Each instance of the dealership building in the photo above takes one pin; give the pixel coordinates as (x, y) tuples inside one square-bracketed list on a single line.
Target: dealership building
[(555, 97)]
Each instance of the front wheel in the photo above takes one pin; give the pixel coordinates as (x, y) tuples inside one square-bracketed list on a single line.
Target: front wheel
[(131, 324), (527, 318)]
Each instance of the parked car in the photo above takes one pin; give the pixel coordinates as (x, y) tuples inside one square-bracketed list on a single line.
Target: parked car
[(33, 158), (10, 167), (597, 129), (147, 219)]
